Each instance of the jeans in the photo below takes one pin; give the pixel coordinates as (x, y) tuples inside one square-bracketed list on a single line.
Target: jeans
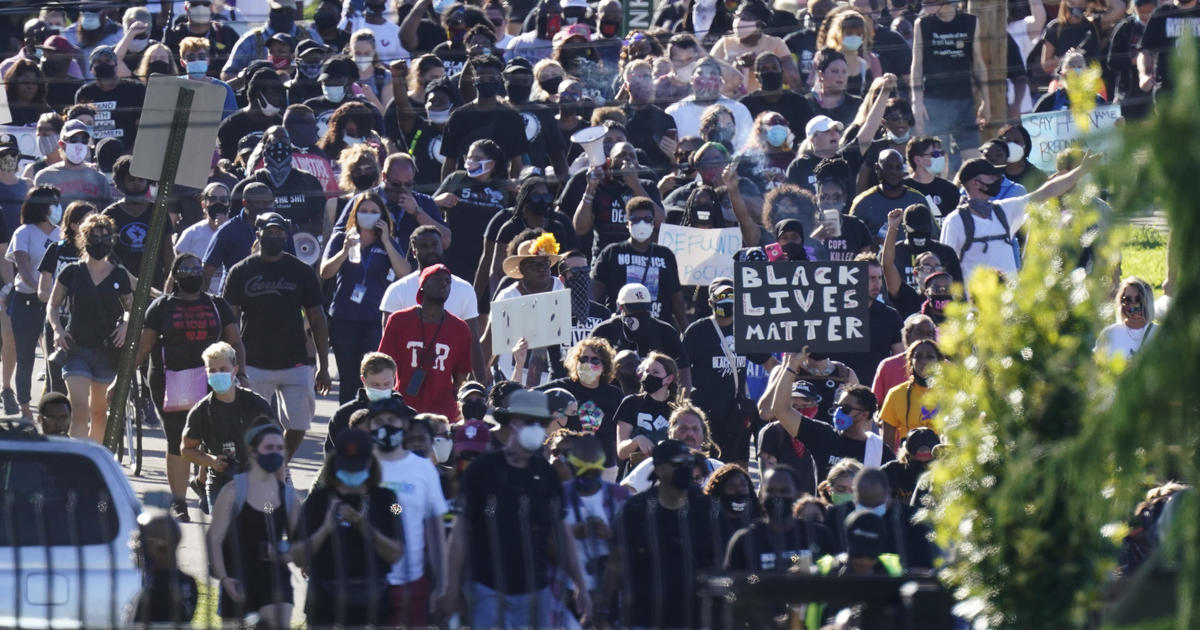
[(952, 119), (28, 315), (350, 341), (492, 609)]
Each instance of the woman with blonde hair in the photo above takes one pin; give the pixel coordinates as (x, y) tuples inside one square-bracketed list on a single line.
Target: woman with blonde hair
[(591, 366), (424, 69), (374, 79), (848, 32), (156, 60), (1135, 320)]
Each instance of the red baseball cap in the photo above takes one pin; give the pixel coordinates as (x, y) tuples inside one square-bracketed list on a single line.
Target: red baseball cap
[(425, 274)]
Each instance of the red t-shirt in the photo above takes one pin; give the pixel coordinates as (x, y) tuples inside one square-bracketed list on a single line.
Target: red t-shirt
[(404, 340), (889, 374)]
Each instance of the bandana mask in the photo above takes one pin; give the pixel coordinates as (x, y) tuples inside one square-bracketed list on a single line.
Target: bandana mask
[(580, 285), (278, 161)]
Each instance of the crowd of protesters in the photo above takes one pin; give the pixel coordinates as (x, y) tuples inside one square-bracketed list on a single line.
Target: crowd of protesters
[(386, 172)]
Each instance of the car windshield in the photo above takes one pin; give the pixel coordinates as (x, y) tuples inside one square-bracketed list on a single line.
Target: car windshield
[(53, 499)]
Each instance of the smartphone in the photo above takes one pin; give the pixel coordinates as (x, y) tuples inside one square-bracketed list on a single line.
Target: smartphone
[(832, 220), (414, 382), (774, 252)]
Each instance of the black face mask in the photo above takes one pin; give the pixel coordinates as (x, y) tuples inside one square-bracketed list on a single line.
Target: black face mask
[(388, 438), (363, 181), (159, 67), (271, 245), (282, 20), (325, 20), (104, 70), (771, 81), (99, 250), (214, 209), (474, 409), (487, 89), (568, 108), (777, 508), (518, 93), (49, 68), (550, 85), (682, 478), (651, 383), (189, 284), (992, 189), (735, 503), (795, 251)]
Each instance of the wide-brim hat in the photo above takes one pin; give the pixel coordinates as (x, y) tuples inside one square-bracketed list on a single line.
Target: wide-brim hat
[(544, 246)]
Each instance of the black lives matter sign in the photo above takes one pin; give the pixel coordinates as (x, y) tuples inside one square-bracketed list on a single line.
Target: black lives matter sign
[(784, 306)]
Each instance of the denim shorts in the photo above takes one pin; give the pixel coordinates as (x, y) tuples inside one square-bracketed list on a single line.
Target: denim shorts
[(91, 363)]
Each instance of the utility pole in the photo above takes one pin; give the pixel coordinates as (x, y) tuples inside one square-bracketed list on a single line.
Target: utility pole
[(992, 42)]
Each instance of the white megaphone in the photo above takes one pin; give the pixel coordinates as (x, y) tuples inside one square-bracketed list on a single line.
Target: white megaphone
[(308, 247), (592, 141)]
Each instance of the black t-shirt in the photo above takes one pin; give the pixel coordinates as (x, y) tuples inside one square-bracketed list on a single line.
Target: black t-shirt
[(906, 301), (508, 225), (844, 112), (1164, 31), (608, 207), (620, 264), (895, 55), (759, 548), (477, 203), (794, 107), (948, 50), (906, 256), (300, 199), (429, 33), (423, 142), (60, 93), (187, 327), (132, 233), (1064, 36), (800, 171), (712, 384), (855, 236), (775, 441), (646, 415), (940, 194), (468, 123), (597, 412), (58, 255), (543, 134), (803, 45), (343, 556), (663, 551), (95, 308), (659, 335), (829, 446), (453, 56), (241, 124), (883, 330), (645, 127), (220, 427), (117, 110), (903, 478), (519, 508), (300, 90), (273, 297)]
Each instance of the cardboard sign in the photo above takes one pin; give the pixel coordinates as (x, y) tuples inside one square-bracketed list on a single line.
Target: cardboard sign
[(783, 306), (543, 319), (1052, 132), (154, 128), (701, 254)]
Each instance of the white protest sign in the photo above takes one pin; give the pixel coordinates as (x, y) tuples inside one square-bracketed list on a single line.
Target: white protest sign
[(702, 254), (1052, 132), (543, 319), (154, 129)]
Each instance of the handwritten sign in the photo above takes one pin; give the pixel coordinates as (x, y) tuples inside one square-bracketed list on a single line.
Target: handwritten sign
[(701, 254), (543, 319), (1052, 132), (784, 306)]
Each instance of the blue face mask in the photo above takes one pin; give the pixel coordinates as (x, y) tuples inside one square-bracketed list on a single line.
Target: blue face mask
[(197, 68), (353, 479), (269, 462), (879, 510), (777, 135), (220, 382), (842, 419)]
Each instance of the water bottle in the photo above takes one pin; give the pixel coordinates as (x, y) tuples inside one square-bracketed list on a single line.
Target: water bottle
[(355, 254)]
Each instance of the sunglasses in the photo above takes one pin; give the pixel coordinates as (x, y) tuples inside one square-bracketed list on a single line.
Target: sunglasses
[(1126, 300), (936, 154), (592, 360), (536, 264), (546, 198), (633, 39)]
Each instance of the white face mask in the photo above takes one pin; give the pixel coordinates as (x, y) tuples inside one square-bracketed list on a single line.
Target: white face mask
[(270, 109), (937, 164), (589, 373), (367, 220), (335, 93), (641, 231), (47, 144), (437, 116), (852, 42), (476, 169), (200, 14), (77, 152), (56, 212), (1015, 152), (89, 21), (442, 447), (372, 393), (531, 437), (350, 140), (363, 62)]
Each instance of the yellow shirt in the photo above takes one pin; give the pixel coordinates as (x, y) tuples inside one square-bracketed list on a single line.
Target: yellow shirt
[(904, 411)]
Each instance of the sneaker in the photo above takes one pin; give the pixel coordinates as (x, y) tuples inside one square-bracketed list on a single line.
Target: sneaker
[(149, 412), (180, 508), (11, 408), (197, 486)]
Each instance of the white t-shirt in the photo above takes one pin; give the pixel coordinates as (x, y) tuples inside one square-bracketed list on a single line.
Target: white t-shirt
[(587, 508), (31, 239), (387, 37), (1121, 339), (195, 240), (687, 118), (639, 477), (402, 294), (416, 484), (998, 255)]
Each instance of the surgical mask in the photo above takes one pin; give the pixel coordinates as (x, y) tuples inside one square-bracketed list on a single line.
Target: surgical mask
[(220, 382), (841, 497), (842, 420), (1015, 152), (388, 438), (531, 437), (138, 44), (589, 373), (777, 135), (47, 144), (367, 220), (918, 241), (899, 139), (735, 503), (682, 477), (1076, 11), (56, 212), (352, 140), (268, 108), (442, 448), (197, 68), (937, 164), (364, 62), (200, 14), (641, 230), (372, 393), (89, 21), (334, 93), (437, 116), (651, 383), (477, 169), (474, 409), (269, 462), (353, 479), (879, 510), (77, 152), (852, 42)]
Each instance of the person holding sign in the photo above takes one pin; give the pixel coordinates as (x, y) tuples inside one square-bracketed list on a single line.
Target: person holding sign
[(853, 418), (640, 260)]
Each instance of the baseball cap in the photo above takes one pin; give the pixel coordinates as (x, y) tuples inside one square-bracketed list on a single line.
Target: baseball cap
[(425, 274), (819, 124), (471, 387), (472, 436), (354, 450), (975, 167), (281, 4), (717, 283), (559, 400), (518, 64), (670, 451), (102, 51), (920, 442), (339, 67), (259, 191), (75, 126), (864, 534), (634, 294), (574, 30), (8, 144), (58, 43), (307, 46), (107, 152), (393, 404), (269, 219), (918, 219), (804, 389), (529, 404)]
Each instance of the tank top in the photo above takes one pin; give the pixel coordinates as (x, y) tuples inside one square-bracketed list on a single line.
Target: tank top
[(947, 58)]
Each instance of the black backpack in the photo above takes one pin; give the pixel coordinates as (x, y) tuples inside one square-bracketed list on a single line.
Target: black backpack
[(968, 221)]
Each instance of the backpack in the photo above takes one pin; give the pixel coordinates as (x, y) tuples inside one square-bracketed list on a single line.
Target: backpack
[(968, 221)]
